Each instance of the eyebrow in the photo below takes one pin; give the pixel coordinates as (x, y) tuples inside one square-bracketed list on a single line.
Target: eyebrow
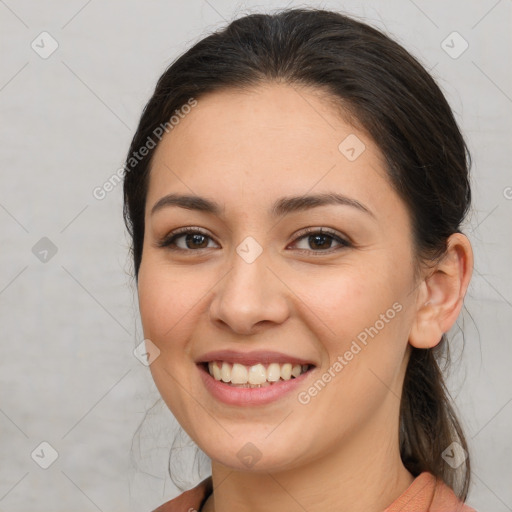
[(281, 207)]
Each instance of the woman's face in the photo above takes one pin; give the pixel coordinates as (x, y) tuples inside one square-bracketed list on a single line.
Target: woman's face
[(342, 301)]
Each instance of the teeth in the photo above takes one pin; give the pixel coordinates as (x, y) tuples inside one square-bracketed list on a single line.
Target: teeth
[(225, 372), (257, 375), (296, 370), (273, 372), (239, 374), (286, 371), (215, 371)]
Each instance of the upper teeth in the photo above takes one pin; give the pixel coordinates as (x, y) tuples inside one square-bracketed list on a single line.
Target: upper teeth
[(257, 374)]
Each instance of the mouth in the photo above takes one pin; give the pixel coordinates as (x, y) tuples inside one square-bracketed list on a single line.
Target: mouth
[(257, 375), (237, 390), (253, 378)]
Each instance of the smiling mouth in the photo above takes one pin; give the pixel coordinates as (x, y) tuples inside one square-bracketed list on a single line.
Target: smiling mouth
[(256, 376)]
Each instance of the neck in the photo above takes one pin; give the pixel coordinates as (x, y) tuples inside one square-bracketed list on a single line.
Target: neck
[(365, 475)]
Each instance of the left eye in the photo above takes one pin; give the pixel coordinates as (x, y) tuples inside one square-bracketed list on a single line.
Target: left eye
[(322, 238), (319, 240)]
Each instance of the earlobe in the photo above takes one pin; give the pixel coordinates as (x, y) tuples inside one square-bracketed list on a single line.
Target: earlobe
[(441, 294), (426, 331)]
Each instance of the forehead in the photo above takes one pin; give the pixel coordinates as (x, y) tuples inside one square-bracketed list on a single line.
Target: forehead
[(271, 138), (270, 114)]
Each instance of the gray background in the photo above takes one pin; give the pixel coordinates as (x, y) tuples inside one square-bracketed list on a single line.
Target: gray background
[(70, 322)]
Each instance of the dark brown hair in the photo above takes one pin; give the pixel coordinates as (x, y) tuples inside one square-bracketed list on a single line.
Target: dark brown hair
[(389, 94)]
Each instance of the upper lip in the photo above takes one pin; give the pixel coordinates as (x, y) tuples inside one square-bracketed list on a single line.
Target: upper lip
[(251, 358)]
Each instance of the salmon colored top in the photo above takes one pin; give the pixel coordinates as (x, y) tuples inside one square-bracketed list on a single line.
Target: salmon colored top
[(425, 494)]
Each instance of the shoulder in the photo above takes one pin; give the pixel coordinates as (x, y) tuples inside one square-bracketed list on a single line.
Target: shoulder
[(428, 494), (425, 494), (189, 501), (445, 500)]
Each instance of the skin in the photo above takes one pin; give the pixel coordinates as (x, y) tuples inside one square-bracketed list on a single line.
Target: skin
[(246, 149)]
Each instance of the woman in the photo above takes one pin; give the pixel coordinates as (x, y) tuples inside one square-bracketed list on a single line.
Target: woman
[(294, 193)]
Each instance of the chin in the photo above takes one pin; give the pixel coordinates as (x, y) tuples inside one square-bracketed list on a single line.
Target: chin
[(252, 456)]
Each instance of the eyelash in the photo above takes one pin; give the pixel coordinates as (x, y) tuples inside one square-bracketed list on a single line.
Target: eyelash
[(169, 240)]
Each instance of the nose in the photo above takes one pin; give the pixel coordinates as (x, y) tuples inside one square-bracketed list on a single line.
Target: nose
[(249, 297)]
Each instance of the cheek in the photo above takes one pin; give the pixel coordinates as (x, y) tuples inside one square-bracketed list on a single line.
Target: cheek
[(345, 302), (167, 302), (361, 318)]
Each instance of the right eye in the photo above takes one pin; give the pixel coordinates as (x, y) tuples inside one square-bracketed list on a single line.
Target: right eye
[(193, 239)]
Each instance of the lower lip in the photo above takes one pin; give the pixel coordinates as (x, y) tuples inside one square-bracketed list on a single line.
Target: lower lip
[(250, 396)]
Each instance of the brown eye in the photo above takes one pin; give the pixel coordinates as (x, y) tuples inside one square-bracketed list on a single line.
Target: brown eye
[(320, 240), (192, 239), (195, 241)]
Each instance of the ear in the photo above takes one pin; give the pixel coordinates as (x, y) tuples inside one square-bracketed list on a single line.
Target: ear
[(441, 293)]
